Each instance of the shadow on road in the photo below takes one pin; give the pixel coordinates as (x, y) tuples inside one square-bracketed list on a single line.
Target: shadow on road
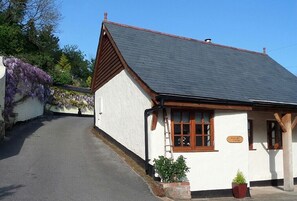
[(8, 190), (17, 135)]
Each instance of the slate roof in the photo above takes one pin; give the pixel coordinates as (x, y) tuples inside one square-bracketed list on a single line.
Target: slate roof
[(178, 66)]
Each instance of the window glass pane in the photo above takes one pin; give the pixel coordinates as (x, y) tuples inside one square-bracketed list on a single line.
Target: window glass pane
[(198, 140), (198, 129), (279, 135), (186, 117), (207, 140), (177, 141), (206, 116), (273, 134), (176, 117), (186, 141), (186, 129), (177, 129), (206, 129), (272, 125), (198, 117)]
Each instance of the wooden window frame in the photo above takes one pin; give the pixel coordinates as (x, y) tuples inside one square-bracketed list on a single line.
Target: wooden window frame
[(193, 147), (278, 137), (251, 134)]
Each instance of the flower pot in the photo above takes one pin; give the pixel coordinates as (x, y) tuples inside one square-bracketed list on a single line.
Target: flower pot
[(239, 190)]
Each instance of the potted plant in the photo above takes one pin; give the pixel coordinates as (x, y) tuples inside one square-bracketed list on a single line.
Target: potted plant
[(173, 177), (239, 185)]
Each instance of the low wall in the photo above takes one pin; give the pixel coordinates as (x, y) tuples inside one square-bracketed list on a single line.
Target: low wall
[(28, 109), (70, 110)]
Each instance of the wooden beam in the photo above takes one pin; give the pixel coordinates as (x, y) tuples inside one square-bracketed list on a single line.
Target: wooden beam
[(288, 153), (154, 120), (294, 123), (279, 120), (207, 106)]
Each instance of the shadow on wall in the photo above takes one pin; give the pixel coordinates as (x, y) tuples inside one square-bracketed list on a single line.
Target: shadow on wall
[(8, 190), (272, 163), (19, 133)]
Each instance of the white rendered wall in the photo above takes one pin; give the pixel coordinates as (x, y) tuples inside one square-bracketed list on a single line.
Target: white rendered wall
[(2, 87), (213, 170), (70, 110), (122, 111), (267, 164), (28, 109)]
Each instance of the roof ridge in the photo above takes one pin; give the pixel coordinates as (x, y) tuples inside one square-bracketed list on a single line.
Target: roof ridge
[(183, 38)]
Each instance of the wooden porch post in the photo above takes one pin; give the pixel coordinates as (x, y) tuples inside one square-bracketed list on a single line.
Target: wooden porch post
[(287, 153), (286, 125)]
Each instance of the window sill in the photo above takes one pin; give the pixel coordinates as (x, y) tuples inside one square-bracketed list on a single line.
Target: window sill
[(252, 149), (190, 151), (275, 149)]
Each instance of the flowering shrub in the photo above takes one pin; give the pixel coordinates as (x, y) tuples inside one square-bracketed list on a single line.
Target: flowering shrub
[(25, 80), (65, 98)]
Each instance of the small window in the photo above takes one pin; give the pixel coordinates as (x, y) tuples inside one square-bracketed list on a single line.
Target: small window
[(250, 134), (192, 130), (274, 135)]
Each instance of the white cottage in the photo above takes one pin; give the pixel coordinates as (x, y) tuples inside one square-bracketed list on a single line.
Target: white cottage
[(227, 108)]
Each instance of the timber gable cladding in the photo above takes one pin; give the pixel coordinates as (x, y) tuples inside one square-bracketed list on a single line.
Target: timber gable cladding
[(105, 70), (108, 63)]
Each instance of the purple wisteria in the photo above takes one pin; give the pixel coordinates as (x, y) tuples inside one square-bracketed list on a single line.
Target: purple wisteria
[(66, 98), (27, 81)]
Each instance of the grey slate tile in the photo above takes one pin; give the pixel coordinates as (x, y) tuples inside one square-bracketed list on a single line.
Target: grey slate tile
[(171, 65)]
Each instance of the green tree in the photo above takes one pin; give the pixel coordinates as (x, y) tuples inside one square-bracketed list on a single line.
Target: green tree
[(89, 81), (11, 40), (61, 73), (80, 66), (27, 31)]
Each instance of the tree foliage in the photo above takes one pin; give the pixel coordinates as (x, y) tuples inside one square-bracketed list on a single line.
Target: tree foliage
[(27, 31), (61, 73), (81, 68)]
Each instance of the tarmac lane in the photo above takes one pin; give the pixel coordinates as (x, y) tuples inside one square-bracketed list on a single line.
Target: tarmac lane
[(57, 158)]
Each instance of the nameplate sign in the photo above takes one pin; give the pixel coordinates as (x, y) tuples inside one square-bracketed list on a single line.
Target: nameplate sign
[(235, 139)]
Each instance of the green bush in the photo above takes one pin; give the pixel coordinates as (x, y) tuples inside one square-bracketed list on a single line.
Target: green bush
[(239, 178), (170, 170)]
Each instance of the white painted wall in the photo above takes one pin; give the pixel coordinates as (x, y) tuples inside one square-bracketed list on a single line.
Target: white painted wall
[(213, 170), (267, 164), (2, 86), (70, 110), (28, 109), (122, 111)]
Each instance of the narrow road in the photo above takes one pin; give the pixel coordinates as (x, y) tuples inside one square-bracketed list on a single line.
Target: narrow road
[(58, 159)]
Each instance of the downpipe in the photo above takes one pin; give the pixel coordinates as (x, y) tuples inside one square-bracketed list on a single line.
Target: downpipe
[(147, 113)]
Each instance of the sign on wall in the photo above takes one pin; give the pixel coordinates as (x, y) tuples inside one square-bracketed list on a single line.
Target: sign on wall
[(235, 139)]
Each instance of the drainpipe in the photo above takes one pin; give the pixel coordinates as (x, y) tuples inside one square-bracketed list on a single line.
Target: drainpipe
[(147, 113)]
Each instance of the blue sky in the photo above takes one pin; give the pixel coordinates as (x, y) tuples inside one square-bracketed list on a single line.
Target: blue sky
[(246, 24)]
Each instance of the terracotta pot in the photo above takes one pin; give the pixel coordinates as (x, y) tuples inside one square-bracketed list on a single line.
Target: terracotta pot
[(239, 190)]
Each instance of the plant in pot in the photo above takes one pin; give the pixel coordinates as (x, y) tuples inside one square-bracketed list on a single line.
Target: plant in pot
[(239, 185), (173, 177)]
